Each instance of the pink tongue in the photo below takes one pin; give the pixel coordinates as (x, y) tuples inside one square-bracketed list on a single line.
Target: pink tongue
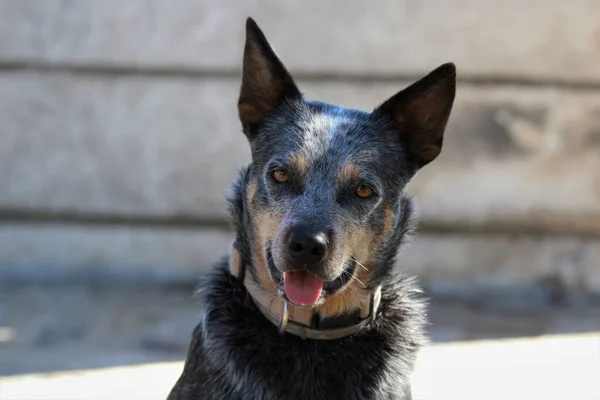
[(302, 288)]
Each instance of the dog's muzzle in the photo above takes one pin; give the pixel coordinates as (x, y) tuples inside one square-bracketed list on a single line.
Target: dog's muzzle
[(302, 321)]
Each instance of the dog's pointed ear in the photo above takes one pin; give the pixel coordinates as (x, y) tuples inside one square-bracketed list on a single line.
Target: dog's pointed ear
[(265, 80), (420, 113)]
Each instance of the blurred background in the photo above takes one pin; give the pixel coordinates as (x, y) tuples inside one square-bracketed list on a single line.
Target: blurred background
[(119, 137)]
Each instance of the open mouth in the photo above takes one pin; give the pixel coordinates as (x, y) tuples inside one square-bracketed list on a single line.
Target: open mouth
[(303, 278)]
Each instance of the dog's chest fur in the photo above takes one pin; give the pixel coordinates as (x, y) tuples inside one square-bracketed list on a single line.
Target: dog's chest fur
[(237, 354)]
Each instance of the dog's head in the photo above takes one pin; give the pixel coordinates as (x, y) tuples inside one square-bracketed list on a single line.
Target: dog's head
[(327, 181)]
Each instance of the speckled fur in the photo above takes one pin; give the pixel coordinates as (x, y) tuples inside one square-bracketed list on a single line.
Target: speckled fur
[(235, 353)]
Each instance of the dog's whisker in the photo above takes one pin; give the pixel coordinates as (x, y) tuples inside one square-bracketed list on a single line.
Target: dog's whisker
[(361, 265), (359, 281), (355, 277)]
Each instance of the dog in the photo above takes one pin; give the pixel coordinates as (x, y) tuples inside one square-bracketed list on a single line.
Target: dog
[(308, 304)]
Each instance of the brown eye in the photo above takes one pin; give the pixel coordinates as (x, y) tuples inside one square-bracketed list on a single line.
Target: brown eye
[(364, 191), (280, 175)]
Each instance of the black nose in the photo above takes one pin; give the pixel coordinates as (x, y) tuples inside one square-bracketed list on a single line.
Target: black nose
[(307, 246)]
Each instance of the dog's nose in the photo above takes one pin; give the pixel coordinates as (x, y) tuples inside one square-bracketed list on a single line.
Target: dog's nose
[(307, 246)]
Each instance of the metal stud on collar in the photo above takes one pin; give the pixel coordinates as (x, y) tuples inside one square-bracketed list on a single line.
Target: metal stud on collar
[(283, 321)]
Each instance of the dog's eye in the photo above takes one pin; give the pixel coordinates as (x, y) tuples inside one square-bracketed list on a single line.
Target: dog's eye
[(280, 175), (364, 191)]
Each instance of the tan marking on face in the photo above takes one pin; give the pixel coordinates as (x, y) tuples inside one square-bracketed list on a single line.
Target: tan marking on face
[(349, 172), (376, 238), (299, 163), (266, 226), (359, 244), (251, 190), (349, 299), (388, 222)]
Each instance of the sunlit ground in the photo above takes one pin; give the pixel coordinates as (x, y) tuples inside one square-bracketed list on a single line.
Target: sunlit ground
[(552, 367)]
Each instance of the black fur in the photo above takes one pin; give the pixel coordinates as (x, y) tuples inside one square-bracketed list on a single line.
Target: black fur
[(235, 352)]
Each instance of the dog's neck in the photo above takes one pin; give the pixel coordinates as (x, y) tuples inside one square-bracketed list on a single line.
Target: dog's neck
[(303, 321)]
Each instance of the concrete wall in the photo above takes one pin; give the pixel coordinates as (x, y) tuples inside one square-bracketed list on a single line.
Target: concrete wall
[(119, 134)]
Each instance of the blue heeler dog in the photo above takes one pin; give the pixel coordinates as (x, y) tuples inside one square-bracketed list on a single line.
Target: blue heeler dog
[(307, 305)]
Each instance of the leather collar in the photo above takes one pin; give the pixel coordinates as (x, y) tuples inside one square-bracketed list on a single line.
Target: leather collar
[(302, 321)]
